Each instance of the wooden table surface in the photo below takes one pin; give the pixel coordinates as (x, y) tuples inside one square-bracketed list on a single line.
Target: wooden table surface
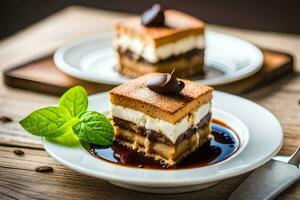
[(18, 179)]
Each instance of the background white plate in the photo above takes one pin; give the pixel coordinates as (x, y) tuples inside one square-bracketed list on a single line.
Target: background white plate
[(264, 142), (93, 59)]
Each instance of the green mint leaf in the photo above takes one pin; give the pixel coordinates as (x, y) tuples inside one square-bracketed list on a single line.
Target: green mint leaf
[(68, 139), (48, 122), (94, 128), (75, 100), (70, 121)]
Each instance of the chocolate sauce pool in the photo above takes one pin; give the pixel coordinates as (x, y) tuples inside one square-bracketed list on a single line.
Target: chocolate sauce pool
[(224, 143)]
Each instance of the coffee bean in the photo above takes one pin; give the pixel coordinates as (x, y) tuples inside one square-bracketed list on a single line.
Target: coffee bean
[(19, 152), (5, 119), (44, 169), (140, 166)]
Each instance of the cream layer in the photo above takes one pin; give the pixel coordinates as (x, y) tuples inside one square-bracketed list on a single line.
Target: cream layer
[(171, 131), (149, 52)]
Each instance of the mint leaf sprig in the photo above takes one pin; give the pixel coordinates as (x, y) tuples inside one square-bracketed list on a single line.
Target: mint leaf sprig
[(70, 115)]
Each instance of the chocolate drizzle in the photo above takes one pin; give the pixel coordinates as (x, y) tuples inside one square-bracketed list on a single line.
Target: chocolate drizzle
[(154, 16), (165, 84), (213, 151)]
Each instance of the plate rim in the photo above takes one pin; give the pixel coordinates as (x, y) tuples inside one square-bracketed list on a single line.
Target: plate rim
[(166, 183), (74, 72)]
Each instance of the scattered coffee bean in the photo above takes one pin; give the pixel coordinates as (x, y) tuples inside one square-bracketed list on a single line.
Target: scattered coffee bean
[(5, 119), (19, 152), (44, 169), (299, 102)]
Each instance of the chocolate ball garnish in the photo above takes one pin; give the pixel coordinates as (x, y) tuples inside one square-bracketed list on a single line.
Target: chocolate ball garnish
[(165, 84), (154, 16)]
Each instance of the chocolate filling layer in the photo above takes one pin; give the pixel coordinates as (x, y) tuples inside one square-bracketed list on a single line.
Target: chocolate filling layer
[(138, 58), (155, 136)]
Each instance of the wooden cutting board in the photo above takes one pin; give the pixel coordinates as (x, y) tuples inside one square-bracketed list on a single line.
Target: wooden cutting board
[(42, 76)]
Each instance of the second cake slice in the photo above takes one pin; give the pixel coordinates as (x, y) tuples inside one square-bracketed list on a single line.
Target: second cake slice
[(178, 44)]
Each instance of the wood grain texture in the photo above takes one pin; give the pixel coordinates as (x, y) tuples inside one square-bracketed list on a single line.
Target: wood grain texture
[(282, 99), (18, 180), (41, 75)]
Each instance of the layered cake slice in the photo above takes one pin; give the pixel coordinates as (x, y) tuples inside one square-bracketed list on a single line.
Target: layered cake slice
[(160, 42), (152, 115)]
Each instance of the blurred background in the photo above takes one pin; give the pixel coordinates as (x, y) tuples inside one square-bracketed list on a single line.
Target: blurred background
[(275, 15)]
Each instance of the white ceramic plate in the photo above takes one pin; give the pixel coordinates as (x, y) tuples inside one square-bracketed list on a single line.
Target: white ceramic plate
[(227, 59), (259, 131)]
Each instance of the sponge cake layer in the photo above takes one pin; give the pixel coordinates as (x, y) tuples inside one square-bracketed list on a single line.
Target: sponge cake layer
[(171, 108)]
